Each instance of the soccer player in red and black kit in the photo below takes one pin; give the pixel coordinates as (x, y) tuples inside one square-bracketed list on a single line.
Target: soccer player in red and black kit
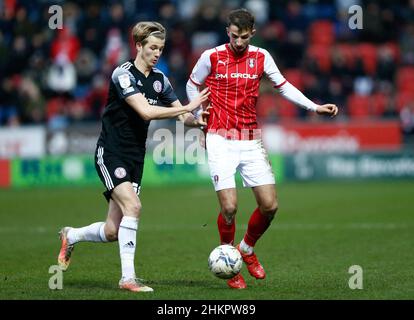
[(232, 72), (136, 89)]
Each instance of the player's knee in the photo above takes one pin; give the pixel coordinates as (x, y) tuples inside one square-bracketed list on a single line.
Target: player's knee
[(133, 210), (112, 235), (111, 232), (269, 209), (229, 210)]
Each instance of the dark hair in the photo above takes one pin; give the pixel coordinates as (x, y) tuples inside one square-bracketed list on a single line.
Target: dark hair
[(242, 19)]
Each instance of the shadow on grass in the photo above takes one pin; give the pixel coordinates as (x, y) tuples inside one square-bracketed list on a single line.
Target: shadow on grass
[(90, 284), (205, 284), (86, 284)]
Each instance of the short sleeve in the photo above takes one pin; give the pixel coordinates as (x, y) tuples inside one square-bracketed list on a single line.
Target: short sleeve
[(124, 82), (202, 68), (167, 95)]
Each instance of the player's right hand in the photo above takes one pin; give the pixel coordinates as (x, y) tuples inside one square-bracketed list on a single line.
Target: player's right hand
[(202, 97), (327, 109)]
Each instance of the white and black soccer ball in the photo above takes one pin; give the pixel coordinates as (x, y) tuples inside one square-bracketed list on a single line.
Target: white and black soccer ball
[(225, 261)]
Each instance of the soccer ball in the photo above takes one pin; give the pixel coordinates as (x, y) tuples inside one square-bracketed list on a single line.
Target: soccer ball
[(225, 261)]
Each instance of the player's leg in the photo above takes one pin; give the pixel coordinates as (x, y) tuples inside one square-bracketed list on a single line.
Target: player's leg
[(262, 216), (259, 222), (95, 232), (126, 198), (226, 217), (257, 173), (98, 231), (223, 161), (227, 227), (113, 220)]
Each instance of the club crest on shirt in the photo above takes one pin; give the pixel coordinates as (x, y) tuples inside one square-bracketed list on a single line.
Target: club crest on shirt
[(124, 81), (120, 172), (157, 86), (251, 63)]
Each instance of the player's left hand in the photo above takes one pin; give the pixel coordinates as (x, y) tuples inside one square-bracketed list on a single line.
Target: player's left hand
[(327, 109)]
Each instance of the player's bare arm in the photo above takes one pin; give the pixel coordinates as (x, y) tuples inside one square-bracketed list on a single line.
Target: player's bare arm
[(148, 112)]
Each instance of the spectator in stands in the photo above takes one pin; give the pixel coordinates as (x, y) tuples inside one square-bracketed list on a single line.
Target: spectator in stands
[(29, 49), (407, 118), (295, 22), (386, 64), (61, 77), (9, 112), (33, 103), (66, 45), (407, 44), (91, 28)]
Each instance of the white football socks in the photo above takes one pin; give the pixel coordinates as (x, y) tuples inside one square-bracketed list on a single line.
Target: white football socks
[(245, 248), (93, 233), (127, 237)]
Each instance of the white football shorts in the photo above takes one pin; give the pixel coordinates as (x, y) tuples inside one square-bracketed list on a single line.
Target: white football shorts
[(249, 157)]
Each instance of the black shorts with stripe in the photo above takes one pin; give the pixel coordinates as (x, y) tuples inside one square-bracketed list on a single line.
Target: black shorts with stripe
[(114, 170)]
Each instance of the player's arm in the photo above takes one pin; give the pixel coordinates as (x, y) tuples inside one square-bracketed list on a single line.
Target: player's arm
[(198, 118), (168, 97), (290, 92), (127, 89), (191, 120), (198, 75), (147, 112)]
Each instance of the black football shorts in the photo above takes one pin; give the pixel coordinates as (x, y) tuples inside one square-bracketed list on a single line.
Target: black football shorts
[(114, 170)]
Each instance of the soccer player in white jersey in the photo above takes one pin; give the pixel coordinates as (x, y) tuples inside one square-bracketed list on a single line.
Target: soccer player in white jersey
[(232, 72)]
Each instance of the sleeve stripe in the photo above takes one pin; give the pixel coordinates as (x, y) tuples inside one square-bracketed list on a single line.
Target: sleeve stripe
[(279, 85), (197, 84)]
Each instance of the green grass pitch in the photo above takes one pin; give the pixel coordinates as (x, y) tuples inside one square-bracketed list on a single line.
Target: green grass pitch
[(320, 231)]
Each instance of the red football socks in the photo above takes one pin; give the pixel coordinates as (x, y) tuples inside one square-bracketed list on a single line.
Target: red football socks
[(226, 230), (258, 224)]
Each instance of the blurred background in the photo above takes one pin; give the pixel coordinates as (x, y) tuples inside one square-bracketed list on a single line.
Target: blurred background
[(54, 82), (345, 185)]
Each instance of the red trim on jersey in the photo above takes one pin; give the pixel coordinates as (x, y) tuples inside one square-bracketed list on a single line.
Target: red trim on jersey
[(279, 85)]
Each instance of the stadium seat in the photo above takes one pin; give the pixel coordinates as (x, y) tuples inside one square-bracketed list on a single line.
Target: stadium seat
[(322, 55), (53, 107), (403, 99), (295, 77), (368, 54), (266, 105), (405, 79), (321, 32), (358, 106), (286, 110), (378, 104), (394, 49), (348, 52)]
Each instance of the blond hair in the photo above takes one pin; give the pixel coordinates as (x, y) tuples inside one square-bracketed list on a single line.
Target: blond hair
[(142, 30)]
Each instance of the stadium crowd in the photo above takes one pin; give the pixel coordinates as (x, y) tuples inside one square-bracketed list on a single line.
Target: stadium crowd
[(61, 76)]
